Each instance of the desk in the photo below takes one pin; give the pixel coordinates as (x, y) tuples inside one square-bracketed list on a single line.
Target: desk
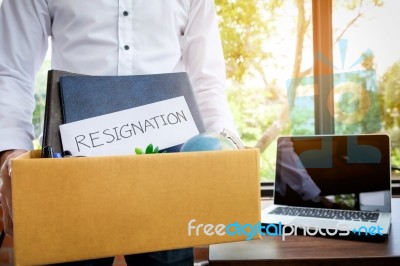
[(308, 250)]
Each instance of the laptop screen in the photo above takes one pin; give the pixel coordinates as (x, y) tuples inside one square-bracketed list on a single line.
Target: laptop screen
[(336, 171)]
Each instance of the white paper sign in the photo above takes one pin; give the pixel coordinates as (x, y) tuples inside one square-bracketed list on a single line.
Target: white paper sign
[(163, 124)]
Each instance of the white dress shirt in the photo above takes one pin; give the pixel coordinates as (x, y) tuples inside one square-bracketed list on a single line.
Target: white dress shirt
[(108, 37), (293, 174)]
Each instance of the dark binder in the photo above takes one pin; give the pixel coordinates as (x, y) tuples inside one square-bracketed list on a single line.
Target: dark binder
[(85, 97), (53, 111)]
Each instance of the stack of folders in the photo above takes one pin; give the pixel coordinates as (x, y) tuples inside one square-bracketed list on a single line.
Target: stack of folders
[(73, 97)]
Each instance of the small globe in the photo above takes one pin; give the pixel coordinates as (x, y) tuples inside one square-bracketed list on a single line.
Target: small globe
[(208, 142)]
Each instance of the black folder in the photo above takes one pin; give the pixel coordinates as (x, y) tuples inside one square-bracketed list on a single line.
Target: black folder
[(53, 111)]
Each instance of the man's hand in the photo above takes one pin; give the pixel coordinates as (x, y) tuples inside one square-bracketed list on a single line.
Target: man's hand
[(5, 189)]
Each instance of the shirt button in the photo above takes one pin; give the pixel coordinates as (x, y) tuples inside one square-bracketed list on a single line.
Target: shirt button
[(126, 47), (125, 13)]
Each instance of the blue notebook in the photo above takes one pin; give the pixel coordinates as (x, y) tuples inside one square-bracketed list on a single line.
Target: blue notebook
[(85, 97)]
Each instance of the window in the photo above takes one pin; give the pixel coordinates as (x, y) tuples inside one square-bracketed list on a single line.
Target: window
[(366, 50), (40, 96), (268, 47), (273, 57)]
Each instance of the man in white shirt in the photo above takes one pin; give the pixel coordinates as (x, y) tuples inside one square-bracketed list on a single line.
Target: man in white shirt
[(104, 37)]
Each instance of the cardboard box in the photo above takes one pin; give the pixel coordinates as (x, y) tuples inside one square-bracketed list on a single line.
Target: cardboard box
[(82, 208)]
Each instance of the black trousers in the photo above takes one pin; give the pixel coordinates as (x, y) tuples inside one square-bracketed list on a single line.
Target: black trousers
[(176, 257)]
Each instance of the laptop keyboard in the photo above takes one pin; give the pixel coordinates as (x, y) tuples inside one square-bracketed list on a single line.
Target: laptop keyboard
[(327, 213)]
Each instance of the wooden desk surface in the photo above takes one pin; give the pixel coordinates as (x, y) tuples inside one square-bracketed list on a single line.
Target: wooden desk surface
[(308, 250)]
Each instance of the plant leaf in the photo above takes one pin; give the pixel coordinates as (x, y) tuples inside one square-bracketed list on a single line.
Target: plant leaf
[(156, 150), (138, 151), (149, 149)]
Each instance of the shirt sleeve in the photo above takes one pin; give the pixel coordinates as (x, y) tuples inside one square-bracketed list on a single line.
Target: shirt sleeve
[(203, 56), (24, 30), (294, 174)]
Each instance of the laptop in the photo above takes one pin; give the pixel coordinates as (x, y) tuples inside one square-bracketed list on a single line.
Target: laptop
[(332, 185)]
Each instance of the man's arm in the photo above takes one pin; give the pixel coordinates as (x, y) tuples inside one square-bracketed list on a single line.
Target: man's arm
[(24, 28), (203, 56), (295, 175)]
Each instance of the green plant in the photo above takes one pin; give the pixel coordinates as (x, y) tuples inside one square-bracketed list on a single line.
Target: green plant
[(149, 150)]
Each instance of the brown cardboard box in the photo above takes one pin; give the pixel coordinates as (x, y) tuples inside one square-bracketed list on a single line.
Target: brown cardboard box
[(82, 208)]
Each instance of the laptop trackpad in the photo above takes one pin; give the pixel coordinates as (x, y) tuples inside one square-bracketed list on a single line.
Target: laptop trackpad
[(320, 223)]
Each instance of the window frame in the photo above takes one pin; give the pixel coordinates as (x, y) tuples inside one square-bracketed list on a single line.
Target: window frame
[(323, 73)]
